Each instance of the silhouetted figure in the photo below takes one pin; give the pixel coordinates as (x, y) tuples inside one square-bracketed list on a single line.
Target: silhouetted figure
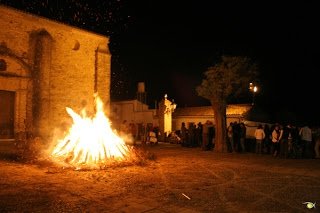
[(184, 132), (243, 134), (284, 142), (199, 134), (276, 137), (211, 135), (192, 135), (206, 135), (306, 141), (236, 136), (317, 143), (266, 146), (230, 144)]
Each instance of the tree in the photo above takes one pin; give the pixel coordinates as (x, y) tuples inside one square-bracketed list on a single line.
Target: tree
[(230, 77)]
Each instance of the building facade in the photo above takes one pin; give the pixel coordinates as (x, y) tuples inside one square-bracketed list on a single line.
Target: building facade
[(188, 115), (45, 67), (132, 111), (168, 117)]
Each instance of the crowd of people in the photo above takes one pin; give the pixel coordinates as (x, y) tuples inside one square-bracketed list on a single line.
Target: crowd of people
[(200, 135), (143, 132), (284, 141)]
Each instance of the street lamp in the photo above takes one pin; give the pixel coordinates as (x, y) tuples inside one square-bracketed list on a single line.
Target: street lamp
[(253, 88)]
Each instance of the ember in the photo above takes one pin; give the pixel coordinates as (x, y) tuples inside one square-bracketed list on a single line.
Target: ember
[(90, 142)]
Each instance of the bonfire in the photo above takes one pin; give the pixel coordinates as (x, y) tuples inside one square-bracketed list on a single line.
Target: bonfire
[(90, 142)]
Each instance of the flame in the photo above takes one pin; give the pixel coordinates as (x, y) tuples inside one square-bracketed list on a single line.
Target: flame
[(90, 141)]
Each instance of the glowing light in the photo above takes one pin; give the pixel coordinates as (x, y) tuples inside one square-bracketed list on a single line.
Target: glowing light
[(255, 89), (90, 141)]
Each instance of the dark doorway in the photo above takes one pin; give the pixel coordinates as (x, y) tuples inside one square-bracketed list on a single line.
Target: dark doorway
[(6, 114)]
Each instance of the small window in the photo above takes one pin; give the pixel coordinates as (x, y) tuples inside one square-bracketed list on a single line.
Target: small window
[(76, 45), (3, 65)]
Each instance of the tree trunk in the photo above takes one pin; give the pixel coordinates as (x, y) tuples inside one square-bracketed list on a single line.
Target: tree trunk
[(220, 140)]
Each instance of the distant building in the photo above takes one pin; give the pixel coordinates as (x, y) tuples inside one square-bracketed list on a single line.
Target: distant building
[(46, 66), (132, 110), (188, 115), (137, 112)]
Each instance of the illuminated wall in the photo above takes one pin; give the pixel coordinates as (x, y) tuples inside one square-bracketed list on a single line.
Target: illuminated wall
[(202, 114), (132, 111), (50, 66)]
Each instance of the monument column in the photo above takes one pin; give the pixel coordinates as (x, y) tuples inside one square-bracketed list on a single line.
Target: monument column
[(166, 109)]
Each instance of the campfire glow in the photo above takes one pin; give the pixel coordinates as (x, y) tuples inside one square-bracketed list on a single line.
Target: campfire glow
[(90, 141)]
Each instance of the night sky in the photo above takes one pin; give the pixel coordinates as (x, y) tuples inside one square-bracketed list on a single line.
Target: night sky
[(169, 46)]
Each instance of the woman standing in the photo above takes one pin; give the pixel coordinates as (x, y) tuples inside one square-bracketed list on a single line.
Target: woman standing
[(276, 137)]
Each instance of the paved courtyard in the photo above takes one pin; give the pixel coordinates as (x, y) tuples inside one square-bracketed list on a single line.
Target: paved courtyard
[(179, 179)]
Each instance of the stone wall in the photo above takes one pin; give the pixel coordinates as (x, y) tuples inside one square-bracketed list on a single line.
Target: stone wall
[(60, 66)]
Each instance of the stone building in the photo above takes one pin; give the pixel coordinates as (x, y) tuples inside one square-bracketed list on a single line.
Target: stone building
[(188, 115), (169, 117), (132, 111), (46, 66)]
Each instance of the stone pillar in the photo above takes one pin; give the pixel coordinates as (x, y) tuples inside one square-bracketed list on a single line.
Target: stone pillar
[(103, 76), (41, 84)]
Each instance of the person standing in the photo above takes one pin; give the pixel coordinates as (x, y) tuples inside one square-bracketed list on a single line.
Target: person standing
[(199, 134), (305, 134), (285, 140), (230, 137), (317, 143), (243, 133), (259, 135), (205, 135), (192, 135), (290, 140), (276, 137), (211, 136), (236, 136), (266, 147), (143, 133), (184, 132), (133, 132)]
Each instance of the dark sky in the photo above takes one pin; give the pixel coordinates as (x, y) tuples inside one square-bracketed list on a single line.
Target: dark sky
[(169, 44)]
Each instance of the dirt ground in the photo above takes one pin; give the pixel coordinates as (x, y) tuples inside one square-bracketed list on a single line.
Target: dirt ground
[(179, 179)]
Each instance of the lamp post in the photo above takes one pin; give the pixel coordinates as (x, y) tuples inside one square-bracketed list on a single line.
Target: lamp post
[(253, 88)]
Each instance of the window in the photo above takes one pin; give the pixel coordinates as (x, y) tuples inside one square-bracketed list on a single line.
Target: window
[(76, 45)]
